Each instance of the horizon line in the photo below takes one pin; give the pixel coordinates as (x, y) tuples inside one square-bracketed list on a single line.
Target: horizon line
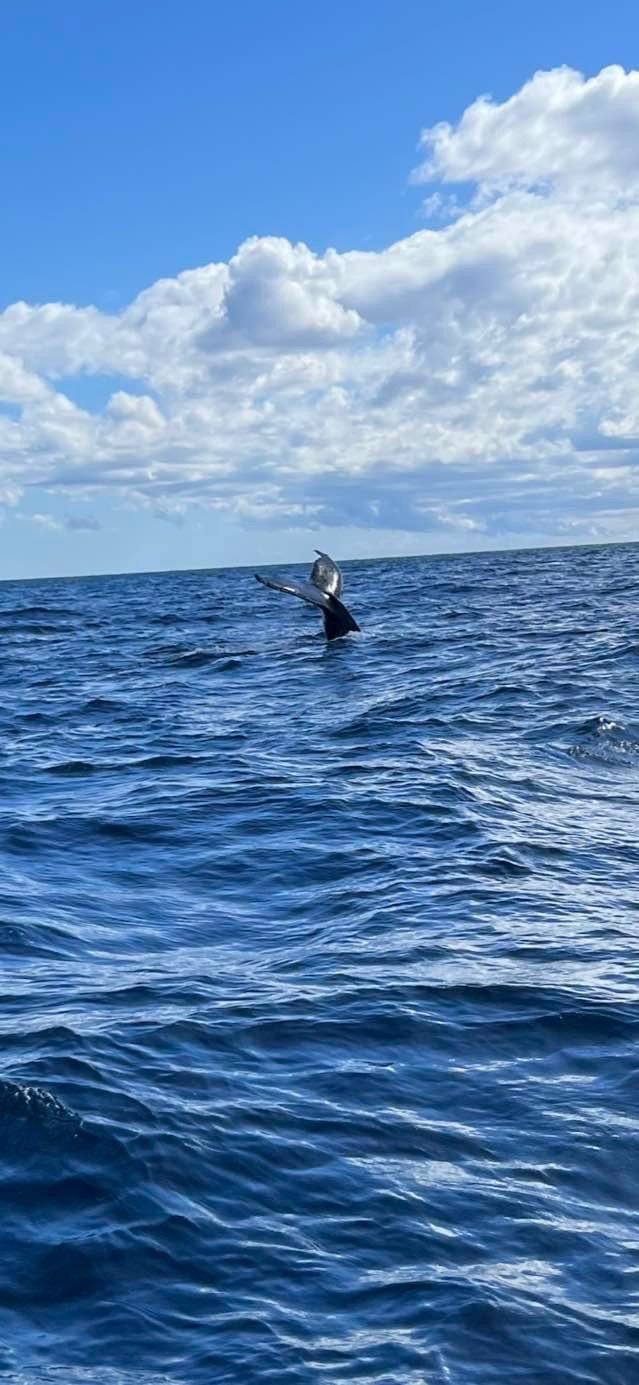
[(293, 562)]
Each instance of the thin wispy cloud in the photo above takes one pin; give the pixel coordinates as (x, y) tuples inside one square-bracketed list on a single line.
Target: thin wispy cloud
[(82, 523), (476, 378)]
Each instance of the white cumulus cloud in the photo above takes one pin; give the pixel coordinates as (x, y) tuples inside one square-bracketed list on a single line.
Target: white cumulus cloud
[(476, 379), (559, 127)]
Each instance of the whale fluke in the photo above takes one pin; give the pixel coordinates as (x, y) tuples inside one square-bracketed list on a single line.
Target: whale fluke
[(326, 575), (322, 590)]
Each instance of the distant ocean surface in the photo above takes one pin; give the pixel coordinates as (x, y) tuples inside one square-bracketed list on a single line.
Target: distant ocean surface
[(320, 977)]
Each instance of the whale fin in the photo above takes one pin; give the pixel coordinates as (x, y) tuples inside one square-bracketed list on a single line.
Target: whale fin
[(326, 575), (305, 590), (337, 618)]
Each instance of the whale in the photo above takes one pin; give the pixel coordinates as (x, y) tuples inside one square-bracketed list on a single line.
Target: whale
[(323, 590)]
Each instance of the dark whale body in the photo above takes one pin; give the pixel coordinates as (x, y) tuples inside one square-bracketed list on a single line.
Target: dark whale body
[(323, 589)]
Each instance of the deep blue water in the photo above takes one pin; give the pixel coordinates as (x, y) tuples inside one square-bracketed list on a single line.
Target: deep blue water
[(320, 969)]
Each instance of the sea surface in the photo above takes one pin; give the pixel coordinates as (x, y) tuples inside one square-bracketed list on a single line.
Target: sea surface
[(319, 1004)]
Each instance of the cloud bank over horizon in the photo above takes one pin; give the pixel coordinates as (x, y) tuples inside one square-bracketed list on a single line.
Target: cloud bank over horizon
[(473, 381)]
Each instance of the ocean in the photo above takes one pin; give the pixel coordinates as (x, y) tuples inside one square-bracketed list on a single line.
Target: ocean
[(320, 977)]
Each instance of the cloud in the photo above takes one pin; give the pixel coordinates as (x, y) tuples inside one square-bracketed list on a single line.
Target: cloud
[(559, 128), (283, 296), (80, 523), (473, 380), (74, 523), (45, 521)]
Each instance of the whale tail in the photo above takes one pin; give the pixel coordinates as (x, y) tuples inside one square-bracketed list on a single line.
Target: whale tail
[(326, 575), (337, 618)]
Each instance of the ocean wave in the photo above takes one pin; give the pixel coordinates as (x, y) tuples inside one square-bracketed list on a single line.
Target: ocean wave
[(319, 1001)]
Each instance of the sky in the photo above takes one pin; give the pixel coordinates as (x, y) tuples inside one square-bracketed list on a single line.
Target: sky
[(362, 277)]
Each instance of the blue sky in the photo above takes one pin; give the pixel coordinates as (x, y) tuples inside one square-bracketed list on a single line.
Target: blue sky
[(374, 401)]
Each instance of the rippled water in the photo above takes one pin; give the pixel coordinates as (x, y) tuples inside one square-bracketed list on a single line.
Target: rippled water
[(320, 977)]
